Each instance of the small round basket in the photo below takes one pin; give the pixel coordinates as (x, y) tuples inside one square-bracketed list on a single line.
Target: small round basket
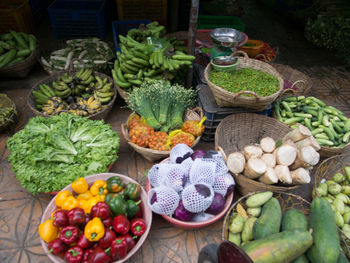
[(147, 215), (239, 130), (48, 80), (252, 47), (287, 201), (226, 98), (22, 68), (154, 155), (11, 117)]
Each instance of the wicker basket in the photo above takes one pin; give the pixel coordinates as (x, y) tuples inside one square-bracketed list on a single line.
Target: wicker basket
[(124, 94), (5, 102), (239, 130), (154, 155), (225, 98), (48, 80), (22, 68), (287, 201)]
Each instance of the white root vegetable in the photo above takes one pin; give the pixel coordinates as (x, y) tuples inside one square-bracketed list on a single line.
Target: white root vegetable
[(269, 159), (251, 151), (285, 154), (236, 162), (267, 144), (283, 174), (300, 176), (298, 134), (269, 177), (307, 157), (310, 141), (254, 168)]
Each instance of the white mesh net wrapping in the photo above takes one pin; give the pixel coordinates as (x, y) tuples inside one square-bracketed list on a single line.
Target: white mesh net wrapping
[(186, 166), (221, 167), (154, 176), (203, 171), (222, 183), (180, 152), (166, 201), (174, 177), (197, 197)]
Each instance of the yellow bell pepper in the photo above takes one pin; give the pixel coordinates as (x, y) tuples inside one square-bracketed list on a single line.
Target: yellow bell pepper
[(70, 203), (99, 187), (61, 197), (88, 204), (94, 229), (48, 231), (80, 185), (84, 196)]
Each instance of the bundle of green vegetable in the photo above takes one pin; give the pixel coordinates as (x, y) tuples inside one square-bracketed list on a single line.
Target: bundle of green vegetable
[(89, 53), (328, 125), (161, 104), (262, 83), (15, 47), (49, 153)]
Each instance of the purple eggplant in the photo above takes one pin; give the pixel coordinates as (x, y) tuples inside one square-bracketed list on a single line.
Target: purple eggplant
[(182, 214), (217, 205), (198, 154)]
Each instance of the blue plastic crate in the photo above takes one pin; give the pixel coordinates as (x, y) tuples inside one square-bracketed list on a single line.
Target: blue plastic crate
[(39, 8), (121, 27), (79, 18)]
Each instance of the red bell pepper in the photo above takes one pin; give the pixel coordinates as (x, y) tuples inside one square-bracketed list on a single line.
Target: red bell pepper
[(130, 241), (76, 217), (138, 227), (83, 242), (108, 222), (57, 246), (100, 255), (101, 210), (121, 224), (86, 255), (119, 249), (74, 255), (139, 213), (107, 239), (69, 234), (60, 218)]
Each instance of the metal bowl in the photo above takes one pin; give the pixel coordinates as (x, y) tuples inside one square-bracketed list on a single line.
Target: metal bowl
[(224, 63), (227, 37)]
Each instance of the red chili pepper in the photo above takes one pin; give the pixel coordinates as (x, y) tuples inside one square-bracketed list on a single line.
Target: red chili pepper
[(57, 246), (101, 210), (107, 222), (118, 249), (100, 256), (129, 241), (74, 255), (60, 218), (139, 213), (138, 227), (83, 242), (76, 217), (121, 224), (87, 254), (69, 234), (107, 239)]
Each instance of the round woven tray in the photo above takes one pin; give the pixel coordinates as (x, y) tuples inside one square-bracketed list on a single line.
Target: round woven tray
[(225, 98), (22, 68), (48, 80), (239, 130), (154, 155)]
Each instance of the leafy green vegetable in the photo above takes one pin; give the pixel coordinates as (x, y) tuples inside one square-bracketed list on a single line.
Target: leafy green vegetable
[(50, 153)]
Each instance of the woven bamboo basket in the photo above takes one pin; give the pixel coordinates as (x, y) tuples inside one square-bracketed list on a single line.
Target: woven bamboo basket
[(239, 130), (225, 98), (6, 102), (124, 94), (287, 201), (22, 68), (154, 155), (48, 80)]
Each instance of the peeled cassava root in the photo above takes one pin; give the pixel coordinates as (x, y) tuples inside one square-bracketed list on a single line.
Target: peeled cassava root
[(269, 177), (251, 151), (254, 168), (306, 158), (267, 144), (283, 174), (300, 176), (236, 162), (298, 134), (285, 154), (269, 159)]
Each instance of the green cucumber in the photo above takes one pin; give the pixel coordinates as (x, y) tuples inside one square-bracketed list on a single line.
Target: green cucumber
[(258, 199), (286, 106)]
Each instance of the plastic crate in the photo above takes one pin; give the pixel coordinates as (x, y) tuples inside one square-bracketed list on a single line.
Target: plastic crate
[(79, 18), (39, 8), (15, 15), (155, 10), (121, 27), (211, 22)]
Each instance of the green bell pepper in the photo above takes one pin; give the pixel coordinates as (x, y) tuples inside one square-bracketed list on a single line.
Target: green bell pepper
[(115, 184), (133, 208), (118, 205), (110, 196), (132, 191)]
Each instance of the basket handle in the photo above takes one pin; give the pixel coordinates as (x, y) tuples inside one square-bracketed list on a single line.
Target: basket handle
[(124, 132), (222, 152), (287, 90), (240, 52), (299, 81), (200, 110), (263, 56), (246, 92)]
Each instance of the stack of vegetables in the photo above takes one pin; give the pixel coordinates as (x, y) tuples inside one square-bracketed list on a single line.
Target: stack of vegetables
[(15, 47), (146, 54), (336, 191), (287, 161), (97, 224), (49, 153), (329, 125), (267, 235), (89, 53), (158, 123), (81, 94)]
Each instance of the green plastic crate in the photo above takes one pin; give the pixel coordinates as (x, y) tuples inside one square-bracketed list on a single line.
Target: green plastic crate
[(211, 22)]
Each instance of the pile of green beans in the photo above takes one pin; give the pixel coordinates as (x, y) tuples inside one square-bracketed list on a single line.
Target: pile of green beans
[(328, 125)]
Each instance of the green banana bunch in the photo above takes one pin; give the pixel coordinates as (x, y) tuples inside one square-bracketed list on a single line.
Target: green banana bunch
[(104, 91)]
